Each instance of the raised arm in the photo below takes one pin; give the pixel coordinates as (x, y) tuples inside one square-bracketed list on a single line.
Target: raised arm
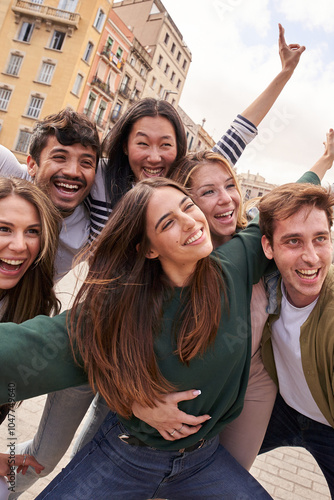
[(325, 161), (290, 55), (243, 129)]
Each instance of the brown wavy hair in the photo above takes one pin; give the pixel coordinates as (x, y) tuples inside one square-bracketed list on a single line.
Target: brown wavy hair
[(118, 310), (288, 199), (188, 165), (34, 293)]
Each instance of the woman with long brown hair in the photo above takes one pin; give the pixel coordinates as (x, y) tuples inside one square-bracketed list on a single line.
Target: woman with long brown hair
[(156, 313), (28, 241)]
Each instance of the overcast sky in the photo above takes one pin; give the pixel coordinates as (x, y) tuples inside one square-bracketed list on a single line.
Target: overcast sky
[(235, 56)]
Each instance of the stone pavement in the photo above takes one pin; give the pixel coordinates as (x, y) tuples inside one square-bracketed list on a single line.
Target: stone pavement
[(286, 473)]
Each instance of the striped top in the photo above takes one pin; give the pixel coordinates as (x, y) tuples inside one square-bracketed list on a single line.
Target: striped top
[(231, 146)]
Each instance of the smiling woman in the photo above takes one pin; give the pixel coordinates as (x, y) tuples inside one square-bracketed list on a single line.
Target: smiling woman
[(28, 239)]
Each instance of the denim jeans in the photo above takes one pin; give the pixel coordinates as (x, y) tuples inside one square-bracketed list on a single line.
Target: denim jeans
[(288, 427), (62, 414), (109, 468), (96, 414)]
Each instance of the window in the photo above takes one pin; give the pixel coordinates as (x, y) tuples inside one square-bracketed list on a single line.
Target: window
[(172, 78), (69, 5), (160, 60), (153, 83), (57, 40), (4, 98), (178, 56), (25, 32), (133, 61), (178, 84), (35, 107), (100, 112), (90, 103), (23, 141), (88, 52), (184, 65), (191, 143), (260, 194), (99, 20), (14, 64), (116, 112), (46, 72), (77, 84), (173, 102), (166, 38), (161, 90), (248, 193), (142, 71), (119, 53), (173, 48), (167, 69)]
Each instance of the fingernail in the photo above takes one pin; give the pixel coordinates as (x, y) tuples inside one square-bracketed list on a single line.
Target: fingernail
[(197, 393)]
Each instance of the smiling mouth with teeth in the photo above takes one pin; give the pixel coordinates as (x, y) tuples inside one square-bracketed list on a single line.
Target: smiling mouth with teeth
[(195, 237), (153, 171), (226, 214), (67, 187), (308, 274), (10, 264)]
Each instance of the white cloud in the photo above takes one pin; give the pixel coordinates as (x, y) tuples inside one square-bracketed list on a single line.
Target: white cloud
[(235, 58), (319, 14)]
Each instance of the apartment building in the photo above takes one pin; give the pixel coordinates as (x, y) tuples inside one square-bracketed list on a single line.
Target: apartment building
[(45, 59), (254, 185), (156, 31), (197, 138), (99, 95)]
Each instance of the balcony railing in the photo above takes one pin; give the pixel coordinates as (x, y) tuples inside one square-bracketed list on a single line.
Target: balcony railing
[(94, 117), (105, 87), (124, 90), (45, 12), (112, 58)]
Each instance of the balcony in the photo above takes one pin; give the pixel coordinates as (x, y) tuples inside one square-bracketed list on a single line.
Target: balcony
[(96, 118), (45, 13), (98, 83), (124, 90), (112, 58)]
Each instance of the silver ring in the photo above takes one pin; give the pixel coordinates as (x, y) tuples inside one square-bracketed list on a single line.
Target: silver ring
[(24, 460), (180, 429), (172, 433)]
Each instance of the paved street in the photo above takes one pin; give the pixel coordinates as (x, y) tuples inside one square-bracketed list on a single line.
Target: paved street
[(286, 473)]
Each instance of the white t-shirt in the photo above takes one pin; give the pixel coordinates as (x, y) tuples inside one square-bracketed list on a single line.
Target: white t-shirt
[(286, 346)]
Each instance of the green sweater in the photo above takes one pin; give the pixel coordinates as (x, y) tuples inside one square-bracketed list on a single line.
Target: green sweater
[(36, 356)]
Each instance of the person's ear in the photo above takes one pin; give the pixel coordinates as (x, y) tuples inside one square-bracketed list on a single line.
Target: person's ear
[(32, 166), (151, 254), (125, 148), (267, 248)]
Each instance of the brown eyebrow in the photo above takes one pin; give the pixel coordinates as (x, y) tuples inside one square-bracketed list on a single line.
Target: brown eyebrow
[(61, 150), (300, 235), (163, 217), (38, 224)]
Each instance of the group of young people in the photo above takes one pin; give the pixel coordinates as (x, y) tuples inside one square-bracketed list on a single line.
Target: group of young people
[(168, 305)]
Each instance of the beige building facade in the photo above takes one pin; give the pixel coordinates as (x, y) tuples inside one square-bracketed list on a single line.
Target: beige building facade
[(46, 54), (156, 31), (254, 185)]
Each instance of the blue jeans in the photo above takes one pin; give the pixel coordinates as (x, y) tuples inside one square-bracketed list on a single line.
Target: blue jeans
[(288, 427), (109, 468)]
